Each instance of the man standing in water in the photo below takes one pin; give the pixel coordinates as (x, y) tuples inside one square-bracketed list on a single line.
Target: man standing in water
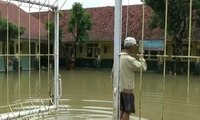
[(128, 65)]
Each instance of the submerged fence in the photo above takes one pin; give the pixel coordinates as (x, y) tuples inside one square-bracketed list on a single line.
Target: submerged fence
[(22, 42)]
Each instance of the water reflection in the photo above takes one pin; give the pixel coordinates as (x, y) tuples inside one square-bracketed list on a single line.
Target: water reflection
[(87, 94)]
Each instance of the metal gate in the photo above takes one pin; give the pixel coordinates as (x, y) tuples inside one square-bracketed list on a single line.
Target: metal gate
[(166, 59), (23, 40)]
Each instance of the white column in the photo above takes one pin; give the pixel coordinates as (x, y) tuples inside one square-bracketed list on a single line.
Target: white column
[(117, 50), (56, 58)]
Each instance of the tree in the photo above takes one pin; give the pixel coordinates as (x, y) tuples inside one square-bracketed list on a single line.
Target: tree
[(80, 23), (12, 30), (50, 28), (177, 22)]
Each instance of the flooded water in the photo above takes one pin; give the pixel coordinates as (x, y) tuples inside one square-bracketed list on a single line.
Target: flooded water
[(87, 94)]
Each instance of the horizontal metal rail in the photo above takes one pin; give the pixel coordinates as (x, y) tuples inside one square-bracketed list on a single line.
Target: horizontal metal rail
[(168, 56), (26, 102), (18, 114), (146, 55), (37, 3), (19, 55), (32, 110)]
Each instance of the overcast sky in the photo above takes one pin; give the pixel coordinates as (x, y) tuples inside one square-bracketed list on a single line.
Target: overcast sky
[(97, 3), (69, 3)]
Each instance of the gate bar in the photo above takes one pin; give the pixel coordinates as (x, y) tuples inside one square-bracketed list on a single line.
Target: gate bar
[(117, 50), (37, 3), (14, 115), (56, 58), (164, 60)]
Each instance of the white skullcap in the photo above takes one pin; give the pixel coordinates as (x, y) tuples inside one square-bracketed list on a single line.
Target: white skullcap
[(130, 41)]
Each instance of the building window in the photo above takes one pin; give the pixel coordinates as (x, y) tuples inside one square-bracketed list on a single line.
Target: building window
[(146, 54), (11, 49), (105, 49), (153, 54), (17, 46), (38, 48), (96, 51), (89, 52), (89, 45), (199, 52), (92, 50), (81, 49), (185, 52), (161, 52)]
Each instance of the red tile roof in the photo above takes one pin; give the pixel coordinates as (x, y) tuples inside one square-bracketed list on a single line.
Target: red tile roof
[(13, 16), (103, 23)]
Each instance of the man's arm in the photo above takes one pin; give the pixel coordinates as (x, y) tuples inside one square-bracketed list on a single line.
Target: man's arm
[(137, 64)]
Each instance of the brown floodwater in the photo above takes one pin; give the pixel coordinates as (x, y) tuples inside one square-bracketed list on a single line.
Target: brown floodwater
[(87, 94)]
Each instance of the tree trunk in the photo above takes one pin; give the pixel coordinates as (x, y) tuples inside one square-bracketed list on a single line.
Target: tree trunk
[(177, 51), (179, 45), (73, 57), (66, 55), (4, 48)]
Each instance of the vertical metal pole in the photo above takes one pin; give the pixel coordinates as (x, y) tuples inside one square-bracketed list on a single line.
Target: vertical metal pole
[(165, 52), (117, 50), (19, 49), (7, 39), (29, 51), (189, 50), (49, 44), (56, 57), (141, 55), (39, 57), (127, 16)]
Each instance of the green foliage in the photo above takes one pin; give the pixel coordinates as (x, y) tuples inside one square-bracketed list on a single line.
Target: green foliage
[(50, 28), (13, 30), (178, 21), (8, 31), (80, 23), (178, 15), (196, 6)]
